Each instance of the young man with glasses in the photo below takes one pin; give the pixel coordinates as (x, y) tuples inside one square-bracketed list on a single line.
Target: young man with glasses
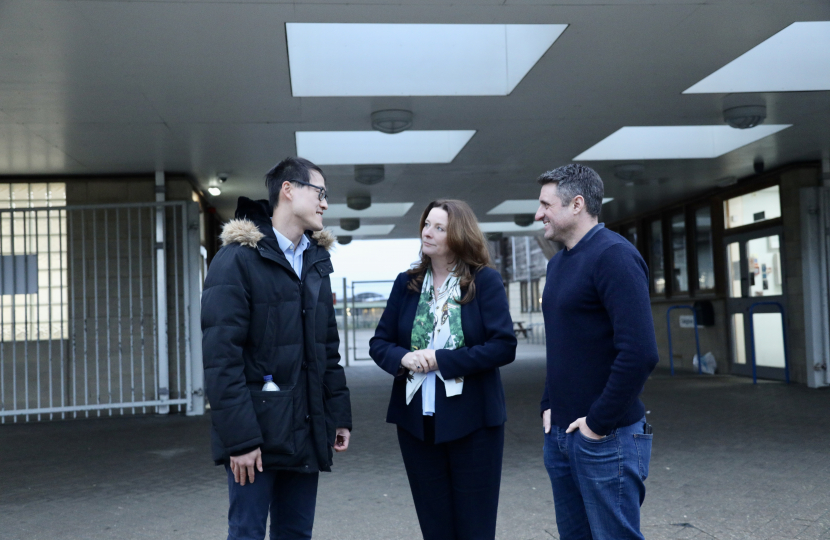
[(267, 315)]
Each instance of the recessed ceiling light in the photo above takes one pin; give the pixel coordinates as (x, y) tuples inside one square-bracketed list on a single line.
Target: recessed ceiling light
[(348, 147), (509, 226), (675, 142), (377, 210), (523, 206), (344, 59), (796, 59), (364, 230), (215, 191)]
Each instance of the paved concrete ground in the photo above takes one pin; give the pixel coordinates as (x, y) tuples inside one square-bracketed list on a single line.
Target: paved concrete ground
[(731, 460)]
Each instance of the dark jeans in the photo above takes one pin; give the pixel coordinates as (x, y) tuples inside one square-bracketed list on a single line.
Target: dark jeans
[(290, 496), (598, 485), (455, 485)]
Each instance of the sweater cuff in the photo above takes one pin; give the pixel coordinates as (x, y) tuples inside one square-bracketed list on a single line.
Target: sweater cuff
[(596, 428)]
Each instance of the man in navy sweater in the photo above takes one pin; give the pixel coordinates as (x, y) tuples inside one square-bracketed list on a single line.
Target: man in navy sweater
[(600, 351)]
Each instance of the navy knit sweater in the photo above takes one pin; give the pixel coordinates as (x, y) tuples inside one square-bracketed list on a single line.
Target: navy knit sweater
[(600, 333)]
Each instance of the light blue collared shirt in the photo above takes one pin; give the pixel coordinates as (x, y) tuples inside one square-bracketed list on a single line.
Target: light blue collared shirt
[(293, 253)]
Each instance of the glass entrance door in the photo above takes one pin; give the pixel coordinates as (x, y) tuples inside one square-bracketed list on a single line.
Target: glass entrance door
[(755, 273)]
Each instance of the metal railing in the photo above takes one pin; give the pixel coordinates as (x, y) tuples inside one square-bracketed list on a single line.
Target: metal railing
[(697, 338), (780, 306), (107, 320)]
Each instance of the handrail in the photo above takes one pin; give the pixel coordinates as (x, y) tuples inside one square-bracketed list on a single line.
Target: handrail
[(783, 330), (697, 338)]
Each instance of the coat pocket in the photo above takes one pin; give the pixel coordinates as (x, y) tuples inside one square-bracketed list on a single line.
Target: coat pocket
[(275, 415)]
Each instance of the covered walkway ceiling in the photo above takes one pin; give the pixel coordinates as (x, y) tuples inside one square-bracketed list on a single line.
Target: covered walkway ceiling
[(103, 87)]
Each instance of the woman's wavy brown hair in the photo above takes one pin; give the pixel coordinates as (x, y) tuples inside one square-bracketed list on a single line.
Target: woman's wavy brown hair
[(464, 239)]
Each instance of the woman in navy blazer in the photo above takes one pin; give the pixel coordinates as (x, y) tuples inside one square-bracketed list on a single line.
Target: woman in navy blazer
[(453, 455)]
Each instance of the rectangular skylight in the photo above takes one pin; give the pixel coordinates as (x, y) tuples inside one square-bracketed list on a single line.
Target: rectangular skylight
[(675, 142), (796, 59), (509, 226), (345, 59), (377, 210), (363, 230), (523, 206), (356, 147)]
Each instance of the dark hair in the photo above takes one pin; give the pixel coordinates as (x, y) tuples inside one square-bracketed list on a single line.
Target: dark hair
[(464, 239), (576, 179), (291, 169)]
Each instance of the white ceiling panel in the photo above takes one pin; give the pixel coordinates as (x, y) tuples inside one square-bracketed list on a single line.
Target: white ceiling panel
[(674, 142), (363, 230), (509, 226), (339, 59), (377, 210), (524, 206), (367, 147), (795, 59)]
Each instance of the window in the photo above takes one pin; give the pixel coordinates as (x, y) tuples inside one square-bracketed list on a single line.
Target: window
[(703, 249), (765, 272), (531, 302), (658, 278), (680, 274), (753, 207), (33, 259)]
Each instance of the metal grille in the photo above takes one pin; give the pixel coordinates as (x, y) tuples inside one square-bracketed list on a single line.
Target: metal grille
[(110, 324)]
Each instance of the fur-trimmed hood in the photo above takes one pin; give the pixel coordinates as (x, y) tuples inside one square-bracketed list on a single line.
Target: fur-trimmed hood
[(246, 233)]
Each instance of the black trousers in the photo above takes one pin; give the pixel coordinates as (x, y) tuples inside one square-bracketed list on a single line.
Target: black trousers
[(455, 485)]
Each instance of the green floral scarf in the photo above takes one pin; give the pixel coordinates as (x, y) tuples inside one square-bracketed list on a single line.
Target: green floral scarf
[(437, 325)]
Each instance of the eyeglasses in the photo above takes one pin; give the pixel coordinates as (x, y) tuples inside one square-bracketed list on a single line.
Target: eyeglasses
[(320, 196)]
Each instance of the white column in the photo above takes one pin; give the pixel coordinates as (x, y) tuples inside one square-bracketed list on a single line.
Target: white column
[(193, 309), (163, 383)]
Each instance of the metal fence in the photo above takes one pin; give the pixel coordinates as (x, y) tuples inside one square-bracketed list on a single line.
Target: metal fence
[(99, 311)]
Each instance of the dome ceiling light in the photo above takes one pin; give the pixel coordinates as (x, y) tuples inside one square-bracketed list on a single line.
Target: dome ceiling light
[(524, 220), (392, 120), (349, 224), (358, 202), (744, 111), (369, 175)]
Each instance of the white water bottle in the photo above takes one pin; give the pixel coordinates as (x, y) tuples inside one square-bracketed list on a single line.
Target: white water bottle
[(270, 385)]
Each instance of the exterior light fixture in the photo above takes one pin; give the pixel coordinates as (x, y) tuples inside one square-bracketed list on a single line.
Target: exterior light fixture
[(368, 174), (213, 184), (349, 224), (392, 120), (524, 220), (744, 111), (358, 202)]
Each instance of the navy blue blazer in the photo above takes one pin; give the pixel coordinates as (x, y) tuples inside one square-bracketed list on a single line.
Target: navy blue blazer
[(489, 342)]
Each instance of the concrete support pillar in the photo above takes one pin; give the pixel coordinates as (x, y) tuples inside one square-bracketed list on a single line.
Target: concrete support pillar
[(163, 383)]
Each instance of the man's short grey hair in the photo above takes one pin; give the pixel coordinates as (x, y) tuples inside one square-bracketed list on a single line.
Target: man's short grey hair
[(576, 179)]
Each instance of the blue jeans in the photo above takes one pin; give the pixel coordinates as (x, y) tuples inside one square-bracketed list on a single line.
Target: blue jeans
[(598, 485), (291, 497)]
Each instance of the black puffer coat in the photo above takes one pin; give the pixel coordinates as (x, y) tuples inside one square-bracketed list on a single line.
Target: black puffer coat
[(259, 318)]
